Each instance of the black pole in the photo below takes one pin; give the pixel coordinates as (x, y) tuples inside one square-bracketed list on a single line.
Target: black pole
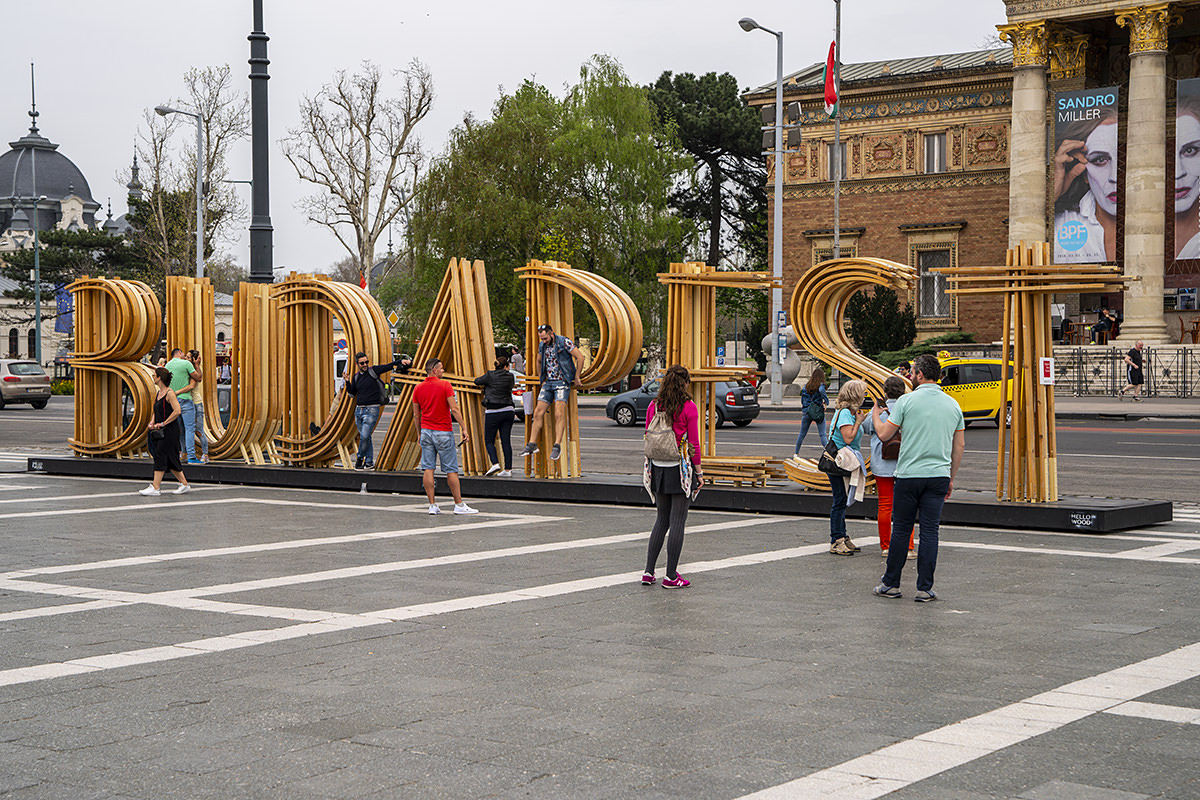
[(261, 232)]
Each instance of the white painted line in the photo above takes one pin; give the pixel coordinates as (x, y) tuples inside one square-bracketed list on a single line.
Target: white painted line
[(1187, 716), (69, 498), (902, 764), (291, 544), (348, 621)]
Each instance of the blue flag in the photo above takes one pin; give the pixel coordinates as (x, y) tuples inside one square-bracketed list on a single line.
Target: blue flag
[(65, 322)]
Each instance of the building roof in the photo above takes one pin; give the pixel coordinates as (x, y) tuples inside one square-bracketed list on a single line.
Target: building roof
[(813, 77), (57, 175)]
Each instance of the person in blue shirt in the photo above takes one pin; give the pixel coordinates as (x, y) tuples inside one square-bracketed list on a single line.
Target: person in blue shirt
[(813, 392), (847, 432)]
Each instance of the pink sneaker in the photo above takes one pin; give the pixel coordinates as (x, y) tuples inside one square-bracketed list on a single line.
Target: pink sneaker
[(677, 582), (647, 579)]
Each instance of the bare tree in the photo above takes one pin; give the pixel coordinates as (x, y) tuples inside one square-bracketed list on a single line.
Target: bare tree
[(344, 270), (357, 146), (165, 226)]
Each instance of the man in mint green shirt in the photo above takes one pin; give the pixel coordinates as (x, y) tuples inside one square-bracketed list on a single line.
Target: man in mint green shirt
[(182, 381), (932, 441)]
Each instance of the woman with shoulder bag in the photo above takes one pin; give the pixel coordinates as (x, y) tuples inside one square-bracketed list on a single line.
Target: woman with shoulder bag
[(665, 476), (884, 469), (498, 415), (163, 435), (812, 407), (847, 432)]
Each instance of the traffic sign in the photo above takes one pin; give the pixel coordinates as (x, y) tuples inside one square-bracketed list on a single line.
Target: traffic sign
[(720, 361), (393, 318)]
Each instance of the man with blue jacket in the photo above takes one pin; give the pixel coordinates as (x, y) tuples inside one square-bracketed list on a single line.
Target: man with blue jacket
[(561, 364)]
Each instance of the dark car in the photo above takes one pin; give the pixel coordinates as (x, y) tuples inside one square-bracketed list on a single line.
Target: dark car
[(737, 402)]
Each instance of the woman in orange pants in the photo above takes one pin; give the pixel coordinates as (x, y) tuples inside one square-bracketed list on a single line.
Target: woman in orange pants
[(884, 469)]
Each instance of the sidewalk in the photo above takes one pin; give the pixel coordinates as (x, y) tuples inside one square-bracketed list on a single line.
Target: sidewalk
[(1066, 407)]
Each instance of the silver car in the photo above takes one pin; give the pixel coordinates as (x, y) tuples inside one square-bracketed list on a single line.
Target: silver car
[(23, 382)]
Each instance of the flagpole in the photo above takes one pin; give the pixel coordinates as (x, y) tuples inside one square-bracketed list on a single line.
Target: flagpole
[(837, 133)]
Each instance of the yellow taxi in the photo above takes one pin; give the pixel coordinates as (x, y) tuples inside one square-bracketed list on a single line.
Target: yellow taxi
[(975, 384)]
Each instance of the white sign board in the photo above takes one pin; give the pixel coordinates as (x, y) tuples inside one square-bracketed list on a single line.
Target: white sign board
[(1046, 371)]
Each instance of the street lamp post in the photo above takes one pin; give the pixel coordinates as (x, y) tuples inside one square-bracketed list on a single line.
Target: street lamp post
[(162, 111), (775, 369), (37, 283)]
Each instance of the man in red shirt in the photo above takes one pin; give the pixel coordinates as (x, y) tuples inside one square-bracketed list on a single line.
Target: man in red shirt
[(433, 406)]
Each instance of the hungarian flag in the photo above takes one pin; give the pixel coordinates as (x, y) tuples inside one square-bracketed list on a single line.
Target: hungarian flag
[(831, 89)]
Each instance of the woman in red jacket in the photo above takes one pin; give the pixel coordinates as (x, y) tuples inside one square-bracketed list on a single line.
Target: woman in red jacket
[(666, 481)]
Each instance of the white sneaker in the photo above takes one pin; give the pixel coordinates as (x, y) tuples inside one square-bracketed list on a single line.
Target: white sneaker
[(507, 473), (433, 508), (150, 491), (463, 508), (492, 470), (183, 489)]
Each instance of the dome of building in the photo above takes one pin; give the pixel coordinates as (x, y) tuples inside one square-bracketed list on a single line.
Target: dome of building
[(57, 178)]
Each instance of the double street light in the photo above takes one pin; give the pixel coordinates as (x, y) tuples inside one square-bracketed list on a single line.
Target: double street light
[(775, 370), (162, 111)]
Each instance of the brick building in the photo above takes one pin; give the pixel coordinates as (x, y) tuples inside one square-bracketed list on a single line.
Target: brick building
[(925, 177)]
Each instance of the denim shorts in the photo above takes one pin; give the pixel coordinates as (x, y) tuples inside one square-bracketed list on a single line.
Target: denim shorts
[(554, 392), (438, 446)]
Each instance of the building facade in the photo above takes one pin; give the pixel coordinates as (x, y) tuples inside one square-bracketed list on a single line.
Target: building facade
[(1150, 55), (925, 171)]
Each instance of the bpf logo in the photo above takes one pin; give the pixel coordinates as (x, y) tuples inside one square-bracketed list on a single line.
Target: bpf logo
[(1072, 236)]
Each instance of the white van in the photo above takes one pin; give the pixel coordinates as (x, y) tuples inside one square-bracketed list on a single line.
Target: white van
[(340, 359)]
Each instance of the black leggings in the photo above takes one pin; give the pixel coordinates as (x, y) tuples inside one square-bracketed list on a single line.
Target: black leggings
[(672, 513), (501, 421)]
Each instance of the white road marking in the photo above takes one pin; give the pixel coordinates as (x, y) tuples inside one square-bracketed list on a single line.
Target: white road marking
[(1181, 714), (899, 765), (290, 544), (333, 621), (67, 498)]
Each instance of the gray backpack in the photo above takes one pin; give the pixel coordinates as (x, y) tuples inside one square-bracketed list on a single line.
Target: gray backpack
[(660, 444)]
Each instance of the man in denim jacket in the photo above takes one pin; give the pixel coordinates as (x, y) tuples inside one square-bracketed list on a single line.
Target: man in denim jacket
[(561, 364)]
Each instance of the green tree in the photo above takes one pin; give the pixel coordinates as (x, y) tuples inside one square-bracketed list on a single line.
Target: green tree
[(722, 135), (877, 322), (585, 179), (66, 256)]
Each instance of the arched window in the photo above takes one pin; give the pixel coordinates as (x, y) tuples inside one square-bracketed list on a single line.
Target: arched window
[(14, 340), (32, 339), (221, 336)]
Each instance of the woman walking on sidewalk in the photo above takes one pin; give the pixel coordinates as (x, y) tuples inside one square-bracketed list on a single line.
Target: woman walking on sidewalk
[(672, 484), (163, 434)]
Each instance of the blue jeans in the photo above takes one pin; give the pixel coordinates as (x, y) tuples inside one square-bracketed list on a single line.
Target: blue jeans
[(554, 392), (913, 497), (199, 417), (438, 446), (187, 441), (837, 512), (365, 419), (804, 423)]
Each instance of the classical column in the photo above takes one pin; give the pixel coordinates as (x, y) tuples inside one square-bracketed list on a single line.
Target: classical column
[(1027, 150), (1146, 169)]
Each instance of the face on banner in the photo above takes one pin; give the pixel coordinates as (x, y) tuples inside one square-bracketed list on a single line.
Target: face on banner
[(1187, 169), (1085, 176)]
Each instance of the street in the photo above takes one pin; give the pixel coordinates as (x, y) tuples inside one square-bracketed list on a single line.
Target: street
[(1155, 458)]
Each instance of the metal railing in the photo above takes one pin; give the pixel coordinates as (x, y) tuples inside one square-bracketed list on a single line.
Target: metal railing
[(1168, 371)]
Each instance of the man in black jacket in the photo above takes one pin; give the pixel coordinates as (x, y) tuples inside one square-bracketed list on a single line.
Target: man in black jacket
[(369, 394)]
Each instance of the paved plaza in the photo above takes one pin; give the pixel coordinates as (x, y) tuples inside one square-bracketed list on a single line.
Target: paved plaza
[(238, 642)]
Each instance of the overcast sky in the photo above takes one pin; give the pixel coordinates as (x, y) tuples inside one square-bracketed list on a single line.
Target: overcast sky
[(100, 64)]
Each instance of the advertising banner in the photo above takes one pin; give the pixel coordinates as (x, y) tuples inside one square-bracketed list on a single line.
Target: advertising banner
[(1187, 169), (1085, 176)]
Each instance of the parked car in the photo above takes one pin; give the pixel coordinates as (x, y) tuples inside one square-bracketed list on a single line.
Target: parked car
[(518, 395), (974, 383), (737, 402), (23, 382)]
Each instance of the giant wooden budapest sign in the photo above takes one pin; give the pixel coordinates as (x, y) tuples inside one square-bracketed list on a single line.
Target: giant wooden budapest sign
[(282, 360)]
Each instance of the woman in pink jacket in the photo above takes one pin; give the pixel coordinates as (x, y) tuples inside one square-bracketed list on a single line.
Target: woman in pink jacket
[(671, 497)]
